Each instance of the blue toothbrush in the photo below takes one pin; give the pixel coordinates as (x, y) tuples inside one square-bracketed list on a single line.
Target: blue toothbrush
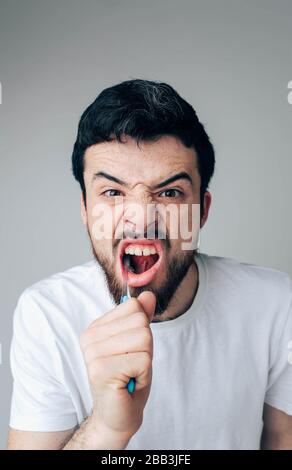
[(125, 296)]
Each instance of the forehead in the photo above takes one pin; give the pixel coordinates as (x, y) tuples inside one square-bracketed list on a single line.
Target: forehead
[(160, 158)]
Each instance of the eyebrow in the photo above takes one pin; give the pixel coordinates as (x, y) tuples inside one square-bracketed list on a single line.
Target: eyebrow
[(171, 179), (102, 174)]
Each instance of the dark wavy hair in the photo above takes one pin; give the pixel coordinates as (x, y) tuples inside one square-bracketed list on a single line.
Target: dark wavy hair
[(144, 110)]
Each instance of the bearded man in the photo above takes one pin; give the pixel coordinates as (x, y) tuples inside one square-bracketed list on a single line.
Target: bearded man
[(202, 340)]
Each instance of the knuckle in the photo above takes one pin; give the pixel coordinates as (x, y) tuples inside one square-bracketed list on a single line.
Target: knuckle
[(135, 305), (146, 336), (96, 368), (93, 352), (141, 319), (146, 360)]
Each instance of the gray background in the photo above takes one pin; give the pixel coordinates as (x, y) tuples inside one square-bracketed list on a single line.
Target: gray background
[(231, 59)]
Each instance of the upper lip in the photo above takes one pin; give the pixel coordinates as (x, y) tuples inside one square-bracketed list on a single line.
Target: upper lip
[(139, 241)]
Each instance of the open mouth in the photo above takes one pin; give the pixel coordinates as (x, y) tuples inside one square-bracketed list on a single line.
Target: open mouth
[(140, 261)]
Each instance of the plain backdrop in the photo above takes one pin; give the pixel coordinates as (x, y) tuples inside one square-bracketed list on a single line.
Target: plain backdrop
[(230, 59)]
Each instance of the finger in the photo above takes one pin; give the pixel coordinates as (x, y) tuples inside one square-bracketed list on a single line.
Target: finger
[(134, 340), (148, 301), (126, 308), (117, 370), (103, 331)]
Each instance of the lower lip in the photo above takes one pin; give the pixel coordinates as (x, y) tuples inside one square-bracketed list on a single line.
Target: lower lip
[(139, 280)]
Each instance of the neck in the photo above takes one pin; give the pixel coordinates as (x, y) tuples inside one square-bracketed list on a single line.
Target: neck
[(183, 296)]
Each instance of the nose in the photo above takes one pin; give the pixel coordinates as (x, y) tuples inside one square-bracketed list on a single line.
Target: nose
[(139, 219)]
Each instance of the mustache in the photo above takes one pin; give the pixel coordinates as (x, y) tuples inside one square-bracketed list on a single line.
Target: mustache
[(155, 233)]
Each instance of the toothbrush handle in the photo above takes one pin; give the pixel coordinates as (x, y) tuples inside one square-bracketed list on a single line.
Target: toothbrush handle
[(132, 381), (131, 385)]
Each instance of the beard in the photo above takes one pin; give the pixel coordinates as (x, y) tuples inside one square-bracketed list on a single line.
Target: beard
[(178, 267)]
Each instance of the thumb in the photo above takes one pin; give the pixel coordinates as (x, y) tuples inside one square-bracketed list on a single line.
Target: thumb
[(148, 302)]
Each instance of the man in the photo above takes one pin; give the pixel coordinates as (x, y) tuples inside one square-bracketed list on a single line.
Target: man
[(205, 338)]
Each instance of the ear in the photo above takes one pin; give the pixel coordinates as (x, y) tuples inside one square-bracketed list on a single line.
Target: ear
[(207, 204), (83, 210)]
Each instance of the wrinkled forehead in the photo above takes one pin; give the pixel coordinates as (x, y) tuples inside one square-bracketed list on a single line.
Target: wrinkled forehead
[(148, 161)]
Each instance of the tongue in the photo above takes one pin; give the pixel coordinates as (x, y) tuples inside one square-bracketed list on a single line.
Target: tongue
[(143, 263)]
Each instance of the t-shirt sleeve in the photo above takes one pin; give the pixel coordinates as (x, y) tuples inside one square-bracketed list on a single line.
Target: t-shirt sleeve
[(40, 400), (279, 389)]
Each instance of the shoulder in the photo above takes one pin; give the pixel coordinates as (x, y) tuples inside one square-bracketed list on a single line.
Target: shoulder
[(59, 299), (226, 269), (257, 289), (76, 275)]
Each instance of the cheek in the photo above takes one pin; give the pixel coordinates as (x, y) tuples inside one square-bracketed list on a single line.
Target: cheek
[(101, 223), (189, 219), (104, 249)]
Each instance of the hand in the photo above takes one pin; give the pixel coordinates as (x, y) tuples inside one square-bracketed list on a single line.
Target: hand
[(116, 347)]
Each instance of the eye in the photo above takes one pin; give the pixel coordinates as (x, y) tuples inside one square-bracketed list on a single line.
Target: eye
[(171, 192), (112, 193)]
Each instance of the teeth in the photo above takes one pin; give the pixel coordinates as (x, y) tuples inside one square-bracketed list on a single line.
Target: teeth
[(139, 251)]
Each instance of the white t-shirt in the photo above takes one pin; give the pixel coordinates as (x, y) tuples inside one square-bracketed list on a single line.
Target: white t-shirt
[(213, 367)]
